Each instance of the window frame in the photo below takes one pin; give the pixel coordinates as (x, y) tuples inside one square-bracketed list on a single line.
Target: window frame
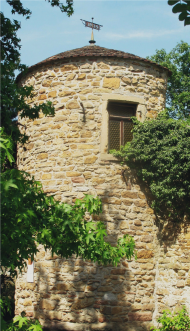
[(120, 119), (141, 110)]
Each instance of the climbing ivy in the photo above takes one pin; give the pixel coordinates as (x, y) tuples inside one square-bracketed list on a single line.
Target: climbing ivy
[(160, 155)]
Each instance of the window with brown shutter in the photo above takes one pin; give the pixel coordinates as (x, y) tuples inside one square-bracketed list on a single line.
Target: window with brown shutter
[(120, 123)]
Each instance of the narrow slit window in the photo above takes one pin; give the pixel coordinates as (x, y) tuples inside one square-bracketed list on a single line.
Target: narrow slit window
[(120, 124)]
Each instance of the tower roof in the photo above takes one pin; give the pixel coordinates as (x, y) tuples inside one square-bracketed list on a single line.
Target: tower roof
[(91, 51)]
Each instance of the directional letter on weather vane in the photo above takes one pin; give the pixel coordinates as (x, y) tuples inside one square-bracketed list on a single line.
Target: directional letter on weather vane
[(93, 26)]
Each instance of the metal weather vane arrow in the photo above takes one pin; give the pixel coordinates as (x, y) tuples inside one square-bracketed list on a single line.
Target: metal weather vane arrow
[(92, 25)]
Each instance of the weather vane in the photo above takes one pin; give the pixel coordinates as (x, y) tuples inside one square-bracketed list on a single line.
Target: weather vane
[(93, 26)]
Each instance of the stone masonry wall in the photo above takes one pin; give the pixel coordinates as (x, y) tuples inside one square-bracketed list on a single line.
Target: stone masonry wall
[(63, 152)]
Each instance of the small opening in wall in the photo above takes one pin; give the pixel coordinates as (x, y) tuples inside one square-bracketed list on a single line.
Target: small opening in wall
[(120, 123)]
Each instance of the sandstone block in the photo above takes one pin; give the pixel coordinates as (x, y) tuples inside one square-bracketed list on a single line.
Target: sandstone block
[(115, 201), (42, 97), (72, 105), (124, 225), (83, 303), (111, 83), (47, 304), (46, 82), (188, 282), (147, 239), (66, 93), (73, 174), (86, 134), (145, 254), (180, 283), (134, 81), (98, 180), (66, 154), (88, 104), (86, 91), (77, 179), (103, 65), (68, 67), (95, 84), (126, 80), (140, 316), (62, 287), (129, 194), (27, 302), (86, 146), (59, 174), (46, 176), (118, 271), (128, 202), (81, 76), (52, 94), (42, 156), (148, 266), (162, 291), (71, 76), (140, 203), (90, 159)]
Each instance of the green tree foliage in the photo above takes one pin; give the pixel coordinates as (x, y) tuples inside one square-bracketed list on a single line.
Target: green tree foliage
[(160, 154), (178, 89), (178, 321), (30, 217), (182, 7)]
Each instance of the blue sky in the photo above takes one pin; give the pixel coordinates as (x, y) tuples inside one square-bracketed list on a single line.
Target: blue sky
[(137, 27)]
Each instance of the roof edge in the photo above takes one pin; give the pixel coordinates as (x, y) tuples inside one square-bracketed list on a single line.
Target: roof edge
[(66, 56)]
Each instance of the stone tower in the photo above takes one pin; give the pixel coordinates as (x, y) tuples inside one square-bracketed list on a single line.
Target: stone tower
[(95, 91)]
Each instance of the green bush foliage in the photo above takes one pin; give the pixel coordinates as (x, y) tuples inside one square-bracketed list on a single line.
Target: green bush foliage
[(160, 154), (179, 321)]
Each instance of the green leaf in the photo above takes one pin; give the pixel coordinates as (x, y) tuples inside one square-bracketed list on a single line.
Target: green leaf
[(182, 16), (187, 21), (179, 8)]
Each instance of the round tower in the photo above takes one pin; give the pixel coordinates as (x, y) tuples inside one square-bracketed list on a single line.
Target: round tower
[(95, 92)]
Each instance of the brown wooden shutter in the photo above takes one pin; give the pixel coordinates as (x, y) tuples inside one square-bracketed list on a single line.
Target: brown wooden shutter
[(120, 124)]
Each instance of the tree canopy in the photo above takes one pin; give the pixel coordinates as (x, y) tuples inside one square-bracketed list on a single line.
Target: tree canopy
[(178, 88)]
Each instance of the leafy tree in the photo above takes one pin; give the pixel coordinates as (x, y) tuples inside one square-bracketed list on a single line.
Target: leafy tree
[(178, 89), (182, 7), (160, 155)]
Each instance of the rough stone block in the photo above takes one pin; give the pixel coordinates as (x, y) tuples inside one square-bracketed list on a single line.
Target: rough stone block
[(140, 316), (52, 94), (118, 271), (83, 303), (72, 105), (111, 83), (90, 159), (68, 67), (48, 304)]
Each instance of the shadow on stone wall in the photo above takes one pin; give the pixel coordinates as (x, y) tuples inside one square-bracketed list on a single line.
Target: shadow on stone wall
[(80, 295), (91, 298)]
